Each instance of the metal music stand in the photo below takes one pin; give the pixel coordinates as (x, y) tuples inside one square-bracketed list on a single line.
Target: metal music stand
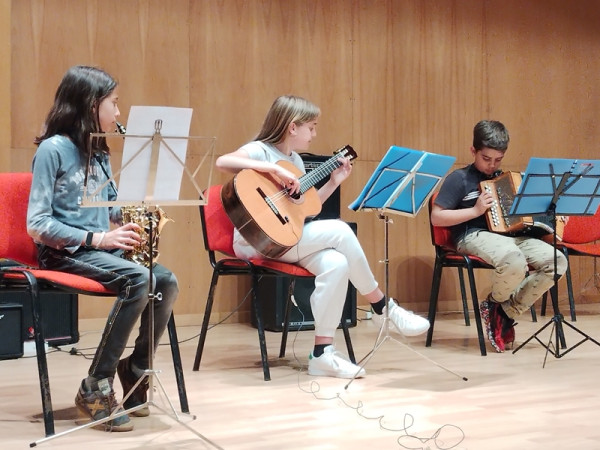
[(152, 171), (401, 184), (566, 187)]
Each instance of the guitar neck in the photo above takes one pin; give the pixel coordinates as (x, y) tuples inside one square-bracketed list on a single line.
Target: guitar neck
[(311, 178)]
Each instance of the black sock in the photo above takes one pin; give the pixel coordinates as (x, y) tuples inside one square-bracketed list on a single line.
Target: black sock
[(378, 306), (319, 349)]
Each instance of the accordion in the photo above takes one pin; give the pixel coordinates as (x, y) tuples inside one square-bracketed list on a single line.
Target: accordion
[(503, 189)]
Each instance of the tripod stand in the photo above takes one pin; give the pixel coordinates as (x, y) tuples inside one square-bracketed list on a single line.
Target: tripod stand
[(398, 186), (539, 183)]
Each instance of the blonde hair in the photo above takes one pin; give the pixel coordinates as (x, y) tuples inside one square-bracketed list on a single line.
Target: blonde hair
[(285, 110)]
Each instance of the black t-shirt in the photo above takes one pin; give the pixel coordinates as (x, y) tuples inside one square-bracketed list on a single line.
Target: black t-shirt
[(460, 190)]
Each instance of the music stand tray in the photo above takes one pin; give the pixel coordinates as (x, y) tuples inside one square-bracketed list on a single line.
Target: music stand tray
[(401, 184), (566, 187)]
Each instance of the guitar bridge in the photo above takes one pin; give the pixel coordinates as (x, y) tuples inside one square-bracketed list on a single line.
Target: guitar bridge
[(272, 206)]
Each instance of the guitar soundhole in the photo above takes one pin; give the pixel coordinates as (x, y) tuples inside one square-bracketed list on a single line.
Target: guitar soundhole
[(296, 195)]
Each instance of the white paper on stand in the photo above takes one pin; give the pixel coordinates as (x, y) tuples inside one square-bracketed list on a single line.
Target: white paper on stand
[(137, 153)]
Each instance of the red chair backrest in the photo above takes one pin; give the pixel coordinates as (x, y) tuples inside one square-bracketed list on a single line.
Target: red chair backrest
[(218, 229), (440, 236), (582, 229), (15, 243)]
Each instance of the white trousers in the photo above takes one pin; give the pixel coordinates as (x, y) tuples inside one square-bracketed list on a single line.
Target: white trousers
[(330, 250)]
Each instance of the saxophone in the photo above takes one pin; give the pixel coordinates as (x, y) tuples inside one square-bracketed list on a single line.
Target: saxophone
[(147, 220)]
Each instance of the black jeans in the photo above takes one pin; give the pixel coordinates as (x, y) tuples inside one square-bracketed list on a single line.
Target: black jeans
[(130, 282)]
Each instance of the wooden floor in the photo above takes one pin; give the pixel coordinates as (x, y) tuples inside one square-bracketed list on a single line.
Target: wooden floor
[(407, 400)]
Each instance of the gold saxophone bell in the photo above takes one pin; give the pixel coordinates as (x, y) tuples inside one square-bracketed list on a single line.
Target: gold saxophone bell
[(144, 252)]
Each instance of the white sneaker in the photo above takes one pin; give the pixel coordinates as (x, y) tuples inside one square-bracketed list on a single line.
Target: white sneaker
[(406, 322), (333, 364)]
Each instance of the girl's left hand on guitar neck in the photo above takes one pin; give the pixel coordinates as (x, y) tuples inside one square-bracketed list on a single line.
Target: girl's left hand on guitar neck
[(342, 172)]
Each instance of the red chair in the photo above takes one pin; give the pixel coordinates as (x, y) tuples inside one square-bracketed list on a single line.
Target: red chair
[(16, 245), (218, 238), (579, 238)]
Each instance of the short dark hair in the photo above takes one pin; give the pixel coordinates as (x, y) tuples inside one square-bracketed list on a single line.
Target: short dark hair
[(490, 134)]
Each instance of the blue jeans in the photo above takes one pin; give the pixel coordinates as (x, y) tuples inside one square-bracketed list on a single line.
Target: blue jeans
[(130, 282)]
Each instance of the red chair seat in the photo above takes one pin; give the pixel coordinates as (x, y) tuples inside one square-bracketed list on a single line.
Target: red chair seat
[(61, 280)]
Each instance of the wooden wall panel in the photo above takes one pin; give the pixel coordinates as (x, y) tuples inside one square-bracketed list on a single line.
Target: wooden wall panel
[(5, 73), (245, 54), (416, 73), (544, 78)]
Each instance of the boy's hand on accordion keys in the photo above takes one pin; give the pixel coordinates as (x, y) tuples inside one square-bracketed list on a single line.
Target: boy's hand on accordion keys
[(484, 202)]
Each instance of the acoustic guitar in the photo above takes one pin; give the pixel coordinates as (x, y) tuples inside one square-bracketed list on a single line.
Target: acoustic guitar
[(266, 214)]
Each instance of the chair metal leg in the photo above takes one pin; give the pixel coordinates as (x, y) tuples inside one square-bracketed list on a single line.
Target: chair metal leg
[(40, 347), (544, 303), (183, 400), (348, 340), (463, 294), (475, 300), (205, 321), (533, 314), (286, 318), (433, 298), (261, 329)]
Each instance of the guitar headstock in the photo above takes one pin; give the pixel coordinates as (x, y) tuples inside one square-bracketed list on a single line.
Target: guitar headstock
[(346, 151)]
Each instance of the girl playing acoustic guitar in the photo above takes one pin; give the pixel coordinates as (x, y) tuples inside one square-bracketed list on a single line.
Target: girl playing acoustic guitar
[(327, 248)]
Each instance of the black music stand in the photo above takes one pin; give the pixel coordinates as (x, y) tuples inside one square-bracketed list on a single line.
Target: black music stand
[(401, 184), (567, 187)]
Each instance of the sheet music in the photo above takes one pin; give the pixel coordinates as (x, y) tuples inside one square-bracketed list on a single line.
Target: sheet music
[(136, 173)]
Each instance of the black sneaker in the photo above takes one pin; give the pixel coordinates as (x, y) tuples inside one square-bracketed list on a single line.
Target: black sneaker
[(100, 403), (139, 396)]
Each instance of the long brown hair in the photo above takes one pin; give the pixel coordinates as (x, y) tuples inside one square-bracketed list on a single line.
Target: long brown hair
[(75, 109), (285, 110)]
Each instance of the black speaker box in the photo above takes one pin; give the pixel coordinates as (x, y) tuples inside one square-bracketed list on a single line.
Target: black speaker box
[(273, 293), (331, 207), (11, 330), (59, 315)]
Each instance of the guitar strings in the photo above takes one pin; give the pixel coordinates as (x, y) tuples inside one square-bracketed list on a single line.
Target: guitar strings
[(309, 179)]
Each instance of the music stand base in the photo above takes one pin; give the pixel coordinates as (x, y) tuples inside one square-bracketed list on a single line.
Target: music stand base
[(559, 343), (152, 375), (382, 337)]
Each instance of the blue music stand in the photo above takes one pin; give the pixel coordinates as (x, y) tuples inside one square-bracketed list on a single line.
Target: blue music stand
[(566, 187), (403, 181), (401, 184)]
